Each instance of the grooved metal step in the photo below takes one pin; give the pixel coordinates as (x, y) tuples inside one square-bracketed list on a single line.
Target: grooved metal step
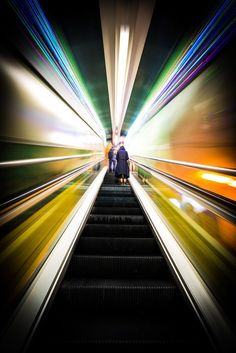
[(106, 201), (117, 294), (114, 230), (132, 267), (117, 210), (116, 219), (117, 246)]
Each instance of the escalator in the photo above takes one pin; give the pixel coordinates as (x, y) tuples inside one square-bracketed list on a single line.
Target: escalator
[(118, 291)]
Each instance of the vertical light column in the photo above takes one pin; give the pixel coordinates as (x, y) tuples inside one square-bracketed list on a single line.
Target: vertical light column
[(121, 74), (124, 29)]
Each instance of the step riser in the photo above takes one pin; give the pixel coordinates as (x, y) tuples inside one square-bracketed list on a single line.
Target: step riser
[(107, 193), (111, 230), (117, 246), (117, 210), (116, 219), (118, 267), (117, 203), (119, 297)]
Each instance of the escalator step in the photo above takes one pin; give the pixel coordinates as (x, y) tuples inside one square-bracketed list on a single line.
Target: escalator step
[(117, 246), (117, 210), (122, 329), (120, 294), (116, 196), (114, 230), (94, 266), (116, 219), (116, 202), (114, 193)]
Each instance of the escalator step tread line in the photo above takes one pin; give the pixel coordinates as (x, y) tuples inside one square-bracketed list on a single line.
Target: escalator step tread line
[(118, 291)]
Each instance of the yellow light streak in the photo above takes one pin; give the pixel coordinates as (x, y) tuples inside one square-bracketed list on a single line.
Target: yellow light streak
[(219, 179), (24, 248), (38, 196)]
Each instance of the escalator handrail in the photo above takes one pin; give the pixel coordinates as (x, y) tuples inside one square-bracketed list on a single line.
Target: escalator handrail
[(228, 171), (220, 205), (30, 161), (26, 194)]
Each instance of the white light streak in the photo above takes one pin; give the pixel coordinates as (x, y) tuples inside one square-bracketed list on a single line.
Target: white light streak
[(121, 73)]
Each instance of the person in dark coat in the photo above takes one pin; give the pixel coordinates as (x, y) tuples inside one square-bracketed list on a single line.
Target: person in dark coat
[(122, 167), (112, 160)]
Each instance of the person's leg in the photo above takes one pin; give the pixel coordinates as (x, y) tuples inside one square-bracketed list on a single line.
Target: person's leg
[(110, 165), (113, 166)]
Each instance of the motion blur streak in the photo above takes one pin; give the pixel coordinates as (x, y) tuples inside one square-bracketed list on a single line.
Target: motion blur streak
[(52, 56), (202, 230), (36, 97), (41, 160), (196, 127), (46, 148), (27, 245), (61, 69), (199, 52), (219, 179), (39, 124), (17, 208)]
